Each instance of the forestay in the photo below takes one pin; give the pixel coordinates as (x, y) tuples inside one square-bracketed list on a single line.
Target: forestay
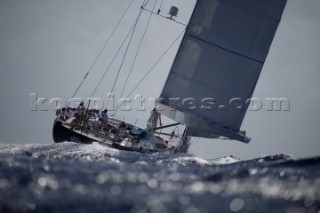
[(218, 64)]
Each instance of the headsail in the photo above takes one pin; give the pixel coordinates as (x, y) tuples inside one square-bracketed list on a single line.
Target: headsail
[(218, 64)]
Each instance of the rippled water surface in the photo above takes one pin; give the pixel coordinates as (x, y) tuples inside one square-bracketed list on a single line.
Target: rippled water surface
[(71, 177)]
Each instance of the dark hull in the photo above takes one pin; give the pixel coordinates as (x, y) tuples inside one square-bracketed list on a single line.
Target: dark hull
[(62, 134)]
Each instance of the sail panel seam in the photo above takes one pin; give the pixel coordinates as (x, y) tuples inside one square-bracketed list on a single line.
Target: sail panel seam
[(225, 49)]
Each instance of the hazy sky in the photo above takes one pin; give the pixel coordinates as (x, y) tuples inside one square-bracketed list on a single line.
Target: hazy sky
[(46, 47)]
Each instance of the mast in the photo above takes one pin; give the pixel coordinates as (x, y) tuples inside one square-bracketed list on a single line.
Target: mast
[(218, 65)]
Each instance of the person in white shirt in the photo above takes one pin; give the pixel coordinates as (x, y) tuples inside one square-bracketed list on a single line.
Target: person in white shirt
[(62, 114), (97, 122), (80, 109), (69, 113)]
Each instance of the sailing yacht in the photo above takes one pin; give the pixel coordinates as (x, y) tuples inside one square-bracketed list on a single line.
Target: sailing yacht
[(209, 86)]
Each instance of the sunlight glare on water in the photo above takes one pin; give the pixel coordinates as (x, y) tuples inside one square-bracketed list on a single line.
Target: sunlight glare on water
[(77, 177)]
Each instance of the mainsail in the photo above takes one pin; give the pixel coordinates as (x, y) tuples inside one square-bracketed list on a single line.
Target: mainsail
[(218, 65)]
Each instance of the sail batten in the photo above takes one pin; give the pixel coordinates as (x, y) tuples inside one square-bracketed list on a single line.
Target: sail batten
[(220, 59)]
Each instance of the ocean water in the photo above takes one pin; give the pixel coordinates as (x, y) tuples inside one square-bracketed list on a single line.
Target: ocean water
[(70, 177)]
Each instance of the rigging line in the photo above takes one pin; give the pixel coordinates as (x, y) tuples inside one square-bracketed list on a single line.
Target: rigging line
[(153, 66), (159, 10), (102, 49), (124, 56), (145, 3), (114, 58), (138, 50)]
